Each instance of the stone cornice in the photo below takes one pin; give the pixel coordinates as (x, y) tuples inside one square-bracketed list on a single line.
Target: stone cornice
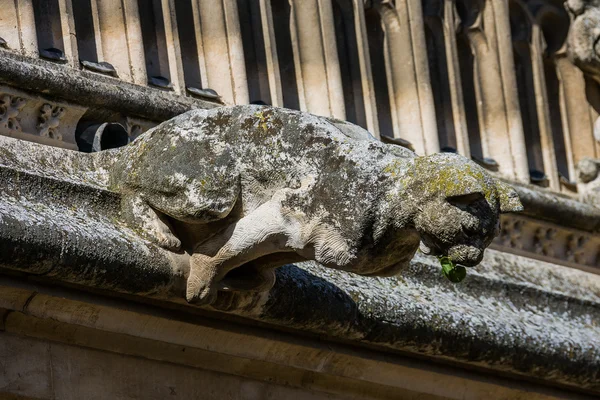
[(549, 242), (512, 314), (552, 228), (556, 208), (93, 90)]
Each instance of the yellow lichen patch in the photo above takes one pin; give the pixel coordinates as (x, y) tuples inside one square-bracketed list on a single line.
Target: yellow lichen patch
[(395, 168), (453, 180), (263, 120)]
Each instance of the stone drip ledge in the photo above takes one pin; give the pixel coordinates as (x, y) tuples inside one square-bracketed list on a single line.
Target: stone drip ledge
[(93, 90), (556, 208), (511, 314)]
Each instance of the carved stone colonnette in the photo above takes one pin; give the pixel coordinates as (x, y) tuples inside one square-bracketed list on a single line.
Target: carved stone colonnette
[(584, 50)]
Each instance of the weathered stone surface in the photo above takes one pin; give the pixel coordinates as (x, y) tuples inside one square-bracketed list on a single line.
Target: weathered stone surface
[(589, 170), (510, 314), (235, 185), (239, 184), (93, 90), (582, 43), (503, 316), (48, 221)]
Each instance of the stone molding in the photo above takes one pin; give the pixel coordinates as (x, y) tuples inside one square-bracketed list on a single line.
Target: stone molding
[(92, 90), (549, 242), (35, 118), (104, 337), (10, 107)]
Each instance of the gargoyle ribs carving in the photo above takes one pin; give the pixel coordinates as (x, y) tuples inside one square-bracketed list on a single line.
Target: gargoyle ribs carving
[(246, 189)]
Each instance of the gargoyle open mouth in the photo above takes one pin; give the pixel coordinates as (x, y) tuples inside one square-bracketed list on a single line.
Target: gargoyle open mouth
[(463, 254)]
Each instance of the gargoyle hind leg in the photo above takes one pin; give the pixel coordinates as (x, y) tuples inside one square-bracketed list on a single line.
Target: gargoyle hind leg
[(141, 217), (258, 234)]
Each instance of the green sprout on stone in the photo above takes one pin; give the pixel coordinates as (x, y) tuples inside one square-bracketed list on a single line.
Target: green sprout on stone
[(455, 273)]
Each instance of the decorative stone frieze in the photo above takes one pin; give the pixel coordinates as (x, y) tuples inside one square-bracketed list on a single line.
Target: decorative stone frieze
[(510, 233), (49, 120), (10, 107), (549, 242), (38, 119)]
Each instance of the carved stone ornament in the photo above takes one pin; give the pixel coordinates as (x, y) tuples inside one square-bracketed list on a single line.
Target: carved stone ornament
[(246, 189), (589, 181), (583, 45), (549, 242), (10, 107), (49, 120)]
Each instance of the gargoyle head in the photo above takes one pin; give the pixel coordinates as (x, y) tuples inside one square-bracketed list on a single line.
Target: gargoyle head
[(583, 43), (458, 206), (588, 170)]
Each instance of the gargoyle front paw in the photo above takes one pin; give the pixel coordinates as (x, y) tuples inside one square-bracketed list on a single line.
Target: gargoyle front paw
[(168, 241), (199, 292)]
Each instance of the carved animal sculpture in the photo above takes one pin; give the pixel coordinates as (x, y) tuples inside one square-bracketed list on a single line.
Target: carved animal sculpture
[(589, 181), (584, 34), (245, 189)]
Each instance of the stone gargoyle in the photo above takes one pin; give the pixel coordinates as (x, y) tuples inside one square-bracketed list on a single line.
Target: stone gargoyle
[(246, 189), (589, 181), (583, 43)]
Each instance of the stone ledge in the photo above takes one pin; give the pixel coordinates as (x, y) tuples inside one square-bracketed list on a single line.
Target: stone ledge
[(557, 208), (99, 335), (512, 314), (93, 90)]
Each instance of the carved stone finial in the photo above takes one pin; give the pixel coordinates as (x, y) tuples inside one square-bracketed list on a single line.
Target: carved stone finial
[(245, 189), (49, 120)]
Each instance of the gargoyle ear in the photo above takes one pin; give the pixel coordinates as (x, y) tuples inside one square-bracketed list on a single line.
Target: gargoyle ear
[(509, 199)]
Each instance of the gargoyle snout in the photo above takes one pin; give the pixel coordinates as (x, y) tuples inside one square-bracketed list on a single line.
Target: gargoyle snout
[(466, 255)]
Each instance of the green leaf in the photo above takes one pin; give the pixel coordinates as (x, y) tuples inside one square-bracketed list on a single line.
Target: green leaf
[(457, 274), (454, 273)]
